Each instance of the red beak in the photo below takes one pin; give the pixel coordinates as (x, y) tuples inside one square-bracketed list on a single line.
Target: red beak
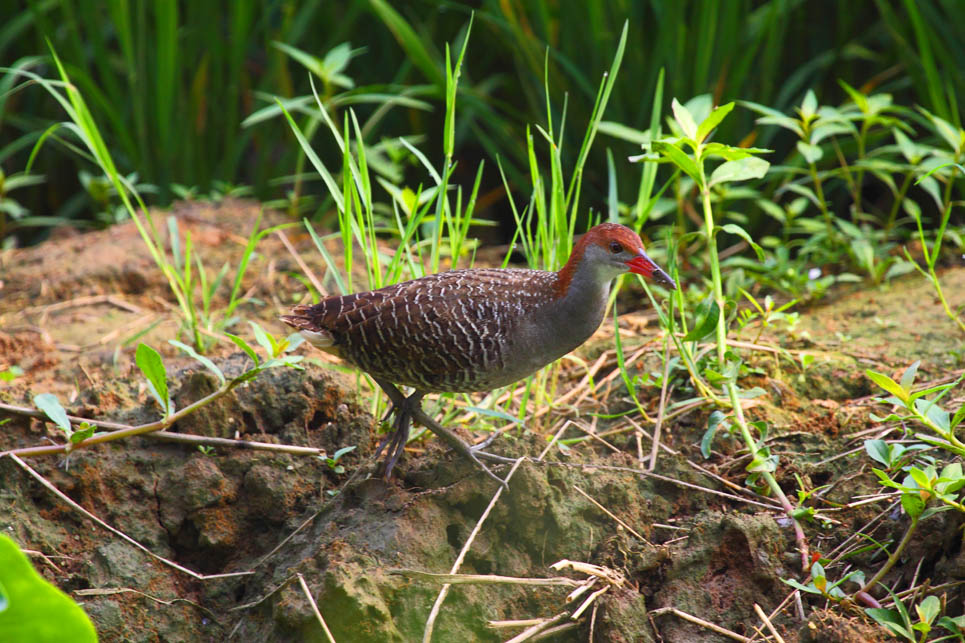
[(644, 265)]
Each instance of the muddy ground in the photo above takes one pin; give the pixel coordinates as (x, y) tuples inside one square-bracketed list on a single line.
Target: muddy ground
[(72, 310)]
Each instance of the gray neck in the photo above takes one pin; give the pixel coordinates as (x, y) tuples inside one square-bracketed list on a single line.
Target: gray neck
[(580, 310)]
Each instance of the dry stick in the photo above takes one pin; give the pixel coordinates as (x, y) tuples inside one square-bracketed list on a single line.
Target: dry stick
[(660, 412), (553, 631), (127, 432), (434, 613), (301, 264), (87, 300), (681, 483), (607, 512), (488, 579), (167, 436), (767, 622), (113, 591), (542, 626), (699, 621), (60, 494), (186, 438), (318, 615)]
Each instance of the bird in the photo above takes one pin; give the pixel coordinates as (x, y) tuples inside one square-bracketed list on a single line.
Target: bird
[(472, 330)]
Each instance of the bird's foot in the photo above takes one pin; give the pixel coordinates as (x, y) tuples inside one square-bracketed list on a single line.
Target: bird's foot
[(396, 440), (458, 444)]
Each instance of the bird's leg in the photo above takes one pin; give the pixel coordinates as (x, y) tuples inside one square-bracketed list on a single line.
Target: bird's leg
[(410, 408), (400, 426)]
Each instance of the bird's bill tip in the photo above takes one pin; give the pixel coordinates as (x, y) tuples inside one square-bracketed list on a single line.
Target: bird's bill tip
[(644, 265)]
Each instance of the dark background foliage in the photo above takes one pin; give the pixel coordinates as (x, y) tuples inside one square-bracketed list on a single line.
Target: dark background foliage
[(170, 83)]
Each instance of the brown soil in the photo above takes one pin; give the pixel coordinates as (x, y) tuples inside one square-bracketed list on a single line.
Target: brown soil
[(72, 310)]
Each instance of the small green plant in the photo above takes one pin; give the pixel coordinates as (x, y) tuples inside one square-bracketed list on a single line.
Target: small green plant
[(206, 449), (333, 460), (50, 405), (151, 365), (689, 150), (11, 373), (924, 410), (820, 585), (899, 623)]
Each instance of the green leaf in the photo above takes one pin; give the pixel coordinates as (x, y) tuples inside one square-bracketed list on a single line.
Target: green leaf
[(888, 384), (712, 121), (685, 119), (928, 609), (811, 153), (921, 477), (878, 450), (50, 405), (908, 377), (733, 228), (32, 609), (85, 431), (679, 158), (913, 505), (338, 454), (716, 420), (890, 620), (201, 358), (264, 339), (957, 419), (707, 314), (935, 413), (245, 346), (151, 365), (740, 170), (857, 97), (810, 589), (809, 106)]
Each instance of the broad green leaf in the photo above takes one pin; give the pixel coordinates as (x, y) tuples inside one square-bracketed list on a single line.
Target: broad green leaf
[(825, 129), (733, 228), (684, 118), (890, 620), (201, 358), (151, 365), (740, 170), (717, 420), (679, 158), (31, 609), (264, 339), (762, 464), (85, 431), (712, 121), (811, 153), (730, 152), (809, 588), (912, 504), (928, 610), (50, 405), (908, 377), (878, 450), (939, 416), (921, 477), (888, 384), (782, 121), (707, 314), (809, 106)]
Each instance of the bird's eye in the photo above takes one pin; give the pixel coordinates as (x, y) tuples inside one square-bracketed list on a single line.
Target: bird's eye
[(616, 247)]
